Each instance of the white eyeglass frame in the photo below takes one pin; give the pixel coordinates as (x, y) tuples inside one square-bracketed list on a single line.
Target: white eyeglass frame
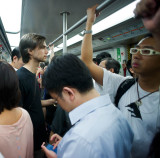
[(152, 52)]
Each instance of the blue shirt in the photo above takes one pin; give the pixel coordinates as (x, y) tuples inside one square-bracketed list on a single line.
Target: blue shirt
[(99, 131)]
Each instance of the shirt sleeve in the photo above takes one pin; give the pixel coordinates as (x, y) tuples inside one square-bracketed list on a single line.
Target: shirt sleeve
[(111, 82)]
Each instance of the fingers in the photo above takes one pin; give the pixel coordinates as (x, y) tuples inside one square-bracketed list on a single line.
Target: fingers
[(145, 8), (55, 138), (92, 9), (49, 153), (55, 144), (44, 148)]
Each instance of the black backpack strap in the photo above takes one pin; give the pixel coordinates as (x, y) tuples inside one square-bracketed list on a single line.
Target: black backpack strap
[(123, 87)]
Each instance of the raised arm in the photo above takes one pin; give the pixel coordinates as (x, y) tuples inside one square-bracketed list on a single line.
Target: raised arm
[(87, 49), (52, 52)]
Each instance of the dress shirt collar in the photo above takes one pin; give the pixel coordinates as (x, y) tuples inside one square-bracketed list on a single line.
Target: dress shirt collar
[(82, 110)]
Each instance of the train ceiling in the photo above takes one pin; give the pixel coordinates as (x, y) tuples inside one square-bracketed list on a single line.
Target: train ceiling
[(43, 17)]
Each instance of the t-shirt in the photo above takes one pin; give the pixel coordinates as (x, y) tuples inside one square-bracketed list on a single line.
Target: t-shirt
[(98, 131), (31, 101), (16, 140), (145, 121)]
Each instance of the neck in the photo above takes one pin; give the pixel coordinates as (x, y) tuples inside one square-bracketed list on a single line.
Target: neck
[(12, 64), (149, 83), (9, 117), (32, 66), (86, 97)]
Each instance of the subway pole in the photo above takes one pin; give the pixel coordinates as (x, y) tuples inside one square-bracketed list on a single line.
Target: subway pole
[(64, 14)]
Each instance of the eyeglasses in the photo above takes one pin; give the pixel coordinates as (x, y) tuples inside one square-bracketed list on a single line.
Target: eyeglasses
[(144, 51)]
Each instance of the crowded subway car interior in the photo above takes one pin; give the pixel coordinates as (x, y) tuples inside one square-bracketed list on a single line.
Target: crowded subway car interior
[(79, 78)]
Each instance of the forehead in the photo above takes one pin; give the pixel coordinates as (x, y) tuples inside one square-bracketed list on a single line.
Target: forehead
[(102, 63), (42, 45), (148, 42), (53, 95)]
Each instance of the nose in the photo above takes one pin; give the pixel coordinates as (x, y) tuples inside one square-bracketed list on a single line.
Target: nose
[(137, 55), (46, 51)]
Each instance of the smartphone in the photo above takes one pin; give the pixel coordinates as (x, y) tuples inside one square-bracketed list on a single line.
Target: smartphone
[(50, 147)]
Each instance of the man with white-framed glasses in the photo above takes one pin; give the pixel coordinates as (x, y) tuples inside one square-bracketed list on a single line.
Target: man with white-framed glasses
[(144, 51), (140, 105)]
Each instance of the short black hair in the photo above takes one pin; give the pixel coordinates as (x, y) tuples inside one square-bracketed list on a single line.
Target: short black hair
[(148, 35), (29, 42), (102, 56), (95, 60), (15, 52), (112, 63), (9, 87), (67, 70)]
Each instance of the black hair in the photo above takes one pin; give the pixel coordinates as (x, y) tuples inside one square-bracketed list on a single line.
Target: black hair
[(29, 42), (102, 56), (148, 35), (9, 87), (67, 70), (95, 60), (15, 52), (112, 63), (128, 64), (46, 63), (42, 65)]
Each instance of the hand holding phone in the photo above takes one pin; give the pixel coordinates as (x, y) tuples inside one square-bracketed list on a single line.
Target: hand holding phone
[(50, 147)]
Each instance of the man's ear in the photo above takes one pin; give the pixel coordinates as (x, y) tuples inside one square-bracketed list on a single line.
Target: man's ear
[(131, 70), (15, 58), (30, 51), (111, 70), (68, 92)]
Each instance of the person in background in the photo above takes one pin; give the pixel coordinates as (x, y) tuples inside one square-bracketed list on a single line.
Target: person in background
[(140, 104), (16, 129), (95, 131), (94, 60), (33, 50), (110, 64), (102, 56), (16, 59), (61, 122), (129, 69), (51, 51), (39, 74)]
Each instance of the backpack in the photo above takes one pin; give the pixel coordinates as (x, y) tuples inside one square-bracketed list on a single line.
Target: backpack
[(123, 88)]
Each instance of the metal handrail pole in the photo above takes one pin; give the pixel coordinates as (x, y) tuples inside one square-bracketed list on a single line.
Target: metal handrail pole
[(64, 30), (84, 19)]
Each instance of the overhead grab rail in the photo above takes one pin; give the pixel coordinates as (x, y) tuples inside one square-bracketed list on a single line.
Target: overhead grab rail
[(83, 20), (12, 32)]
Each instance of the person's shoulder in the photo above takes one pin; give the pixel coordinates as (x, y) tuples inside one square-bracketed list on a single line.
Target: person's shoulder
[(20, 71), (25, 114)]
